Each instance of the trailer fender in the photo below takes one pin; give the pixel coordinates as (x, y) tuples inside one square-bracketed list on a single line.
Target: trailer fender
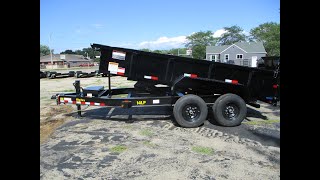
[(209, 86)]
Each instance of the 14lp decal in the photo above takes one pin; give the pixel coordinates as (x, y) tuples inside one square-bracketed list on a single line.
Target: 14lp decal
[(141, 102)]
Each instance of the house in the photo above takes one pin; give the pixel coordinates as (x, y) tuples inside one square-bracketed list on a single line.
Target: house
[(240, 53), (69, 60)]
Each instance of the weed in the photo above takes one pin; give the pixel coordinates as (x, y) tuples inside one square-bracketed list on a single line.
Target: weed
[(202, 150)]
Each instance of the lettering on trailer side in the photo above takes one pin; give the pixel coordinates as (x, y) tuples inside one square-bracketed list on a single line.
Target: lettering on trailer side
[(141, 102), (80, 100)]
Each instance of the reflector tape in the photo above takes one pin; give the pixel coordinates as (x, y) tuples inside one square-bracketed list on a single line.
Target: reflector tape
[(231, 81), (121, 71), (83, 103), (190, 75), (151, 77)]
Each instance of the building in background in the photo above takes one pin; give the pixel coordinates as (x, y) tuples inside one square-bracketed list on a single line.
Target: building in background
[(69, 60), (240, 53)]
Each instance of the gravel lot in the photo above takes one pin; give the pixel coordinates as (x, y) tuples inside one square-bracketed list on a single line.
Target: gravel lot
[(102, 145)]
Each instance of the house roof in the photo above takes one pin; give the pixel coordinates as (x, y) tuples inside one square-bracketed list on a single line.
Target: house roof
[(68, 57), (249, 47)]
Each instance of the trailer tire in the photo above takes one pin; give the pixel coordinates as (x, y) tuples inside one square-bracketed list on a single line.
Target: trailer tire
[(190, 111), (229, 110)]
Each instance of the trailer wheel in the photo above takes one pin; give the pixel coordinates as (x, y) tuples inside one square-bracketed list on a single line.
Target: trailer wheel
[(229, 110), (190, 111)]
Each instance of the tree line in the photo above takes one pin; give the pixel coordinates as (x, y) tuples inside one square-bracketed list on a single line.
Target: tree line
[(267, 33)]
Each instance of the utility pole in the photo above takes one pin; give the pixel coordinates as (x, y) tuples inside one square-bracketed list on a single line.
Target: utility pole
[(50, 50)]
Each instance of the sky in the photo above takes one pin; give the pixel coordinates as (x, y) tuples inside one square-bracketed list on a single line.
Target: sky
[(152, 24)]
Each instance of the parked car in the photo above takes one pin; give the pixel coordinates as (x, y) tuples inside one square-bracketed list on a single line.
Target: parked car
[(86, 65)]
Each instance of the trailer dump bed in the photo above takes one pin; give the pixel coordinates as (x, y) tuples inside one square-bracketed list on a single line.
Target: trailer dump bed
[(253, 83)]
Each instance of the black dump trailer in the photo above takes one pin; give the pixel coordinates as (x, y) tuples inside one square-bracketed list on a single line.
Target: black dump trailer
[(54, 74), (192, 86), (80, 74)]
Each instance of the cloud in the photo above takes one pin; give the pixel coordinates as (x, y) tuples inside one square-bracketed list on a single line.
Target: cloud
[(164, 43), (78, 31), (219, 32), (98, 26)]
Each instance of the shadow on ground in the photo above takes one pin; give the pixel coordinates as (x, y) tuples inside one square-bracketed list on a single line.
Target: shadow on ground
[(121, 114), (264, 135)]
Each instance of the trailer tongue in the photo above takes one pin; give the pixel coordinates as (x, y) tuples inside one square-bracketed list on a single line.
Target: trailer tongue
[(192, 85)]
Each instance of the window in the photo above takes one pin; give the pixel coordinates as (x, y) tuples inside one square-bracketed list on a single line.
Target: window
[(214, 57), (245, 62), (226, 57), (239, 56)]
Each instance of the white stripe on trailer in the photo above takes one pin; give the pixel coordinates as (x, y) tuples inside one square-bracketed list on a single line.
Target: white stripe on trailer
[(228, 80), (88, 103), (97, 104), (231, 81), (113, 72), (156, 101), (147, 77), (186, 75), (121, 70), (190, 75)]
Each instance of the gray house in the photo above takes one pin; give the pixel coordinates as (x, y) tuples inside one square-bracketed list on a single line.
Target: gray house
[(240, 53)]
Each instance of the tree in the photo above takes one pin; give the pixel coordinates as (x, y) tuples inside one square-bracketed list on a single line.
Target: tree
[(269, 34), (199, 52), (198, 42), (84, 52), (175, 51), (232, 35), (90, 52), (68, 51), (145, 49), (44, 50)]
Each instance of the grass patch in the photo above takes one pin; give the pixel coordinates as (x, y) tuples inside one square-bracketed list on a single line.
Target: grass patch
[(148, 143), (146, 132), (262, 122), (202, 150), (118, 149), (48, 128)]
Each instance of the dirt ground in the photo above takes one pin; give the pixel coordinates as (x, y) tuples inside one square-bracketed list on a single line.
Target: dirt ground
[(101, 145)]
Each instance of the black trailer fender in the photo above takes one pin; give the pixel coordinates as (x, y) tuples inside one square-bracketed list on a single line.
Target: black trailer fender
[(210, 86)]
